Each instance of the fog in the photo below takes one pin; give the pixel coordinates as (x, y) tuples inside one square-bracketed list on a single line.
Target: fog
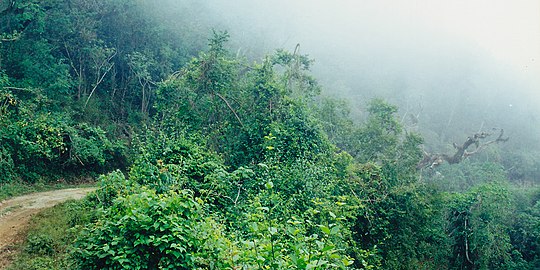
[(459, 65)]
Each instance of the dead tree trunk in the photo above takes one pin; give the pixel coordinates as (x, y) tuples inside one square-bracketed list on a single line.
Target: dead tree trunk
[(434, 160)]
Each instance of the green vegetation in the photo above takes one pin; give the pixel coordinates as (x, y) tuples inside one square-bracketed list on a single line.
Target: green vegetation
[(210, 161), (17, 188), (51, 234)]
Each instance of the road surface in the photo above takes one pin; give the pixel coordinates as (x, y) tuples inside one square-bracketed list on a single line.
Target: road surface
[(15, 214)]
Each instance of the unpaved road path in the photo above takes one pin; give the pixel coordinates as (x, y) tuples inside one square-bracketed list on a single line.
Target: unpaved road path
[(16, 212)]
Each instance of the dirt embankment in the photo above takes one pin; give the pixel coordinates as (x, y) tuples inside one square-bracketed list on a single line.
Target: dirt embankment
[(15, 214)]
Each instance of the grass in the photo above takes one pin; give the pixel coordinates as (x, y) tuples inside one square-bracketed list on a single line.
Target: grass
[(18, 188), (51, 233), (9, 209)]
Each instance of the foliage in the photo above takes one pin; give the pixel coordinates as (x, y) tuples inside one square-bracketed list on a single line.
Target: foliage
[(111, 186), (298, 242), (525, 231), (69, 72), (465, 175), (226, 163), (172, 231), (335, 120), (399, 220), (478, 226), (175, 161), (235, 108), (523, 167), (149, 231), (43, 142)]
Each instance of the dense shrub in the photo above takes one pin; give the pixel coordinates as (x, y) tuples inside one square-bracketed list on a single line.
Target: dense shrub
[(150, 231)]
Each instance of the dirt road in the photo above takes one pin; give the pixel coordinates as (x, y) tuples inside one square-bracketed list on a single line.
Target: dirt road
[(16, 212)]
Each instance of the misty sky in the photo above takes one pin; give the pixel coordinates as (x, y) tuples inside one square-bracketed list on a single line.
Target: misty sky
[(507, 31), (469, 63)]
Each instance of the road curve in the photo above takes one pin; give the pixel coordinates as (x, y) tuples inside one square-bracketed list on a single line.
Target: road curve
[(15, 214)]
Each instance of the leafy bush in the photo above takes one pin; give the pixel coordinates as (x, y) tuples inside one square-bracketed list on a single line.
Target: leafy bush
[(43, 144), (173, 231), (478, 225), (40, 244), (149, 231), (40, 263), (172, 161), (111, 186), (312, 240), (7, 167)]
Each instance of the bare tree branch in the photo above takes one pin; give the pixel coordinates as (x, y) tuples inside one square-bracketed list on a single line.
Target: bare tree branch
[(9, 39), (106, 63), (434, 160), (230, 108)]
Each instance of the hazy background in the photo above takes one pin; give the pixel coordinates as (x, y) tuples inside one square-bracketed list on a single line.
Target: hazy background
[(458, 65)]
